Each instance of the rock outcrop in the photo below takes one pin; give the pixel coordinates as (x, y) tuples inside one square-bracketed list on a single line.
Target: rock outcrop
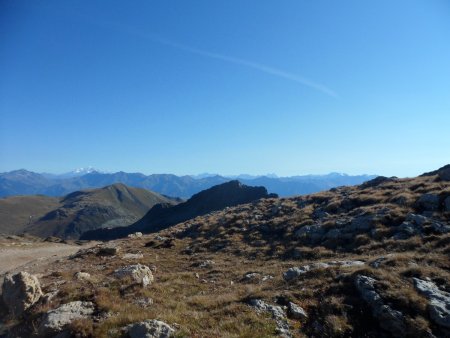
[(20, 292), (439, 301), (389, 319), (149, 329), (57, 320), (277, 314), (296, 272)]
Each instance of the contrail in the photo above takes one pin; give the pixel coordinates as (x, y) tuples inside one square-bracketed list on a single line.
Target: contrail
[(246, 63), (258, 66)]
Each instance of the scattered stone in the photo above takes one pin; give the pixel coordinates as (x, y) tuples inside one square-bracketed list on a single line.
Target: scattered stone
[(144, 302), (276, 312), (296, 272), (135, 235), (377, 262), (439, 301), (206, 264), (138, 273), (149, 329), (161, 238), (266, 278), (296, 311), (20, 292), (390, 320), (82, 276), (132, 256), (56, 320), (108, 251), (251, 276)]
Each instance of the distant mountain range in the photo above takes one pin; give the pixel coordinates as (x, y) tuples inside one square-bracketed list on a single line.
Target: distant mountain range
[(68, 217), (24, 182)]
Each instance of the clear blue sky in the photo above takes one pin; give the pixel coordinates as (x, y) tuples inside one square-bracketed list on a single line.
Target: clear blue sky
[(286, 87)]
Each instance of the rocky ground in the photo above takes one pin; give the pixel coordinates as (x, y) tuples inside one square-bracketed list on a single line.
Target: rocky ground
[(364, 261)]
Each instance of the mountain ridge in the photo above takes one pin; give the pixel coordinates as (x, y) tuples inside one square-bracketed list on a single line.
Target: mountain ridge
[(23, 182), (69, 216)]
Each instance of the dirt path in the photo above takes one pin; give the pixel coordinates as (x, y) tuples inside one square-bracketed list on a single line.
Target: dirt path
[(30, 257)]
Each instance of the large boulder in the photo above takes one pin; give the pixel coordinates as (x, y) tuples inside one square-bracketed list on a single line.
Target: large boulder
[(390, 320), (57, 320), (439, 301), (149, 329), (138, 273), (20, 292)]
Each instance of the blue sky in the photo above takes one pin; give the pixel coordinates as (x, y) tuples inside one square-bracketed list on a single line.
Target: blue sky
[(286, 87)]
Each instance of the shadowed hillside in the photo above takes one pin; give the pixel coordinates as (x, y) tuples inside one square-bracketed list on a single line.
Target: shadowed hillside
[(111, 206), (164, 215)]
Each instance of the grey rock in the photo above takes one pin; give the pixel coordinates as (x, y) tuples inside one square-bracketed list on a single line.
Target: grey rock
[(206, 264), (416, 219), (407, 230), (277, 314), (333, 234), (313, 233), (377, 262), (144, 302), (149, 329), (296, 311), (319, 214), (82, 276), (439, 301), (251, 276), (440, 227), (138, 273), (135, 235), (361, 223), (56, 320), (132, 256), (390, 320), (20, 292), (429, 202), (296, 272), (447, 204)]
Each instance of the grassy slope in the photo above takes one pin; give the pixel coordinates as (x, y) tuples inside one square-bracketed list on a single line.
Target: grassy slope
[(15, 211), (259, 237)]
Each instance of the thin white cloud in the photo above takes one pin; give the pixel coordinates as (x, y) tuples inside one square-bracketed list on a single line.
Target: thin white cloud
[(258, 66), (230, 59)]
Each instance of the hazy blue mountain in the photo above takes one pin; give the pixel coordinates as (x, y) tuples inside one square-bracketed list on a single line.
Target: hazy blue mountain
[(23, 182)]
